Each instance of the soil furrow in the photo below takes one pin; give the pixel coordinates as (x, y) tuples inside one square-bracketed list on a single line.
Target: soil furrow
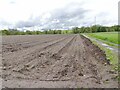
[(69, 58), (13, 47), (19, 66)]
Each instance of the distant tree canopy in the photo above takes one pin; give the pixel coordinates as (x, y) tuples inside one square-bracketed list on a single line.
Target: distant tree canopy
[(96, 28), (75, 30), (17, 32)]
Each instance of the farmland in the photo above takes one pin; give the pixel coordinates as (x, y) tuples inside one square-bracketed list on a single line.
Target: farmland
[(55, 61)]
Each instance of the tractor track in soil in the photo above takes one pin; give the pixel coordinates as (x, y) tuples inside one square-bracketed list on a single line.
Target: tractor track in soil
[(57, 61)]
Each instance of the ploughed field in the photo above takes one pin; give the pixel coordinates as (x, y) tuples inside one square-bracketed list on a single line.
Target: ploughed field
[(54, 61)]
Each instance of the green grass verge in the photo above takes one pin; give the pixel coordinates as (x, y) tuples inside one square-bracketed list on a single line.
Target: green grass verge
[(109, 38)]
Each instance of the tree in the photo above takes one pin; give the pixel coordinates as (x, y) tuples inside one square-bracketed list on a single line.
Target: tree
[(5, 32), (28, 32), (75, 30)]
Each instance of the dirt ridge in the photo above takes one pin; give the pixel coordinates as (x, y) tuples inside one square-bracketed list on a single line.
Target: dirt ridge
[(69, 58)]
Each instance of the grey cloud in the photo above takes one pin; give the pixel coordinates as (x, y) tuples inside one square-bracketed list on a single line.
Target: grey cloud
[(68, 12), (12, 2), (21, 24), (29, 23), (65, 17), (71, 15), (4, 23)]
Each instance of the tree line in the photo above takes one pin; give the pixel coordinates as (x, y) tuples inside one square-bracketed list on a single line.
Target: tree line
[(96, 28), (75, 30)]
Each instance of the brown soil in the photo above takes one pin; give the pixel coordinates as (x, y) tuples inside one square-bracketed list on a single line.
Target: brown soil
[(55, 61)]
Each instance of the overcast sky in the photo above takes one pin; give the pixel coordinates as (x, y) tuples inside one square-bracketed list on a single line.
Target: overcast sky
[(57, 14)]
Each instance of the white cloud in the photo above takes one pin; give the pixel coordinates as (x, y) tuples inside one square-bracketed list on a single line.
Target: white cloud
[(57, 13)]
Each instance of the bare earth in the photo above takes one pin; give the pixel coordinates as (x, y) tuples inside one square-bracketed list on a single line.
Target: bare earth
[(54, 61)]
